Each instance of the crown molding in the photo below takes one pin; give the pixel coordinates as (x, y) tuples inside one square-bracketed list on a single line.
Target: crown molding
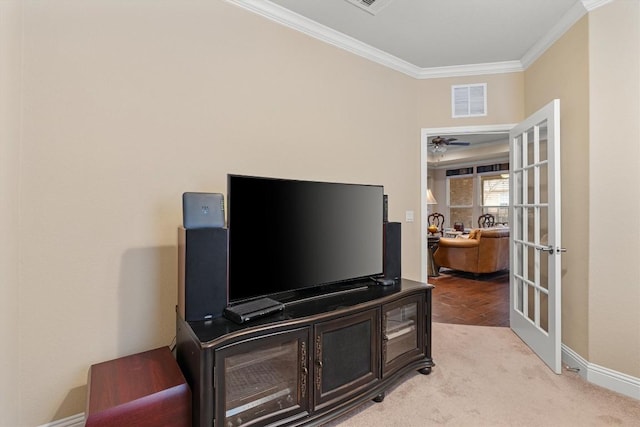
[(570, 17), (321, 32), (470, 70), (335, 38), (577, 11), (590, 5)]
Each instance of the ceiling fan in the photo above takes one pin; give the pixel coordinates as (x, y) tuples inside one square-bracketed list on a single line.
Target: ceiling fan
[(439, 144)]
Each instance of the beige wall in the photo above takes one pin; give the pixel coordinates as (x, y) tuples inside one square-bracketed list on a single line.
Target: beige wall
[(562, 72), (10, 85), (599, 91), (505, 100), (129, 104), (505, 105), (614, 183)]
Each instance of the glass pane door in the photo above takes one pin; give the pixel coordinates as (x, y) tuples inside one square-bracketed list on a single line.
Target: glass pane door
[(402, 333), (264, 378), (535, 245)]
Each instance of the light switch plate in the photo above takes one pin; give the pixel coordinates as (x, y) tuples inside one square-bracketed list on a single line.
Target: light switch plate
[(408, 216)]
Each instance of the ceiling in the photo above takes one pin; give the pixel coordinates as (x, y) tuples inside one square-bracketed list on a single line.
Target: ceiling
[(433, 38)]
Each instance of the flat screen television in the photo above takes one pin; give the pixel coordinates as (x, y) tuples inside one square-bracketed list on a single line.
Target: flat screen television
[(290, 235)]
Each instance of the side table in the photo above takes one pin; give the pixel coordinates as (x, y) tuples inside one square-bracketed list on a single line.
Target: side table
[(432, 268), (144, 389)]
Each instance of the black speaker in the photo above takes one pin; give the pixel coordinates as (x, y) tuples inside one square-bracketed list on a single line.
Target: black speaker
[(202, 270), (392, 250)]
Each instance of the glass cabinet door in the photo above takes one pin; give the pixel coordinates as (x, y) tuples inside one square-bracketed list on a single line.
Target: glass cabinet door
[(402, 332), (262, 380)]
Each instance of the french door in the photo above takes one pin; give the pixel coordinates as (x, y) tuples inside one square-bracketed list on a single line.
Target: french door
[(535, 279)]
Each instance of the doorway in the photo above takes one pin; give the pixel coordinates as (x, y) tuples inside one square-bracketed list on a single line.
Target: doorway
[(484, 153), (457, 302)]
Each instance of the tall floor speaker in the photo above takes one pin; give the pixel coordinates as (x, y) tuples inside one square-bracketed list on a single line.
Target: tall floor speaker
[(392, 250), (202, 270)]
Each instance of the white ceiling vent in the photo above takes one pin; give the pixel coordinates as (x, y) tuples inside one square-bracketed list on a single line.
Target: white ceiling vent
[(469, 100), (371, 6)]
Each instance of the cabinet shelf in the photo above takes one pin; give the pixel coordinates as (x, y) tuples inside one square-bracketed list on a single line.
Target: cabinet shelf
[(393, 333), (256, 401), (256, 357)]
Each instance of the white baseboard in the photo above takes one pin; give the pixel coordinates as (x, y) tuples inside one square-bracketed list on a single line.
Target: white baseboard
[(604, 377), (72, 421)]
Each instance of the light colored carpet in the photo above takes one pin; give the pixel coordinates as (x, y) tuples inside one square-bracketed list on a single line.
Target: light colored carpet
[(486, 376)]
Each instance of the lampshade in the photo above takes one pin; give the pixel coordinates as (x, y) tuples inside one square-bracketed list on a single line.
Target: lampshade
[(430, 199)]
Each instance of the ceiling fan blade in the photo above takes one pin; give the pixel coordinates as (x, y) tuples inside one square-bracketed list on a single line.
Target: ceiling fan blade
[(440, 140), (459, 143)]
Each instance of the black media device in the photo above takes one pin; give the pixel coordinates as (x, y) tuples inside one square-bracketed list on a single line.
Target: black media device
[(241, 313), (289, 236), (202, 210)]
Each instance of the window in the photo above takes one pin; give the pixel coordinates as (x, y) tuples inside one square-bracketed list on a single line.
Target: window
[(460, 189), (472, 192), (495, 196)]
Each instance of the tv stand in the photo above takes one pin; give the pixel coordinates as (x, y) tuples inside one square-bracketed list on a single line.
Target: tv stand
[(310, 363)]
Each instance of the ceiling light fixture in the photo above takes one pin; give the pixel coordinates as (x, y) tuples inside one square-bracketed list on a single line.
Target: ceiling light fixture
[(438, 148)]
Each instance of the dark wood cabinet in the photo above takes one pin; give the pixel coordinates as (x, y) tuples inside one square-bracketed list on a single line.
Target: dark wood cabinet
[(144, 389), (312, 362)]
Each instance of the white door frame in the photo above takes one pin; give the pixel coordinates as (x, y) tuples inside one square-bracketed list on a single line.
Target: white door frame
[(425, 133)]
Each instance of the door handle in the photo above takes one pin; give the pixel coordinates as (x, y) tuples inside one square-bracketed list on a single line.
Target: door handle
[(546, 249), (551, 250)]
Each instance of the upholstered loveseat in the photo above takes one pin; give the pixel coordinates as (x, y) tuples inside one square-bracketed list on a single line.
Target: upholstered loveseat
[(485, 251)]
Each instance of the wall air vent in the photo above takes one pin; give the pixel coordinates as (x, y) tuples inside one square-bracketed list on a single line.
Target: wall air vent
[(469, 100), (371, 6)]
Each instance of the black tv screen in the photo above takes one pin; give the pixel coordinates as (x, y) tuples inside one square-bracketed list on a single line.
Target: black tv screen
[(287, 235)]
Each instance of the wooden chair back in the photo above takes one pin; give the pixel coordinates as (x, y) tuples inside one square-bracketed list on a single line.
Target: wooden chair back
[(436, 219), (486, 221)]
